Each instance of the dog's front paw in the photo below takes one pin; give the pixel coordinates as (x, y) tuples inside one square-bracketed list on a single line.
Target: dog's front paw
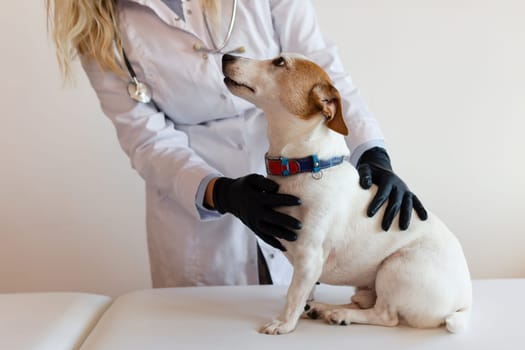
[(337, 317), (277, 327)]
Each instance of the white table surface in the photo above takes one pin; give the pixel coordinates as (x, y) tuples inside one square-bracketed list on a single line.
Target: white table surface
[(228, 318), (48, 321)]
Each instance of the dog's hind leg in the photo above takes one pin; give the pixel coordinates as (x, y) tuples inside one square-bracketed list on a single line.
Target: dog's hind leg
[(364, 298), (306, 273), (316, 310), (380, 315)]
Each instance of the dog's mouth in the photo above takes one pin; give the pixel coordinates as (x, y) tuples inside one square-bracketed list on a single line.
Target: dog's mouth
[(232, 83)]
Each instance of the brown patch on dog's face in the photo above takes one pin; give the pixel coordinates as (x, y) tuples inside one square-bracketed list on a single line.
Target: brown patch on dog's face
[(297, 78), (310, 92), (300, 86)]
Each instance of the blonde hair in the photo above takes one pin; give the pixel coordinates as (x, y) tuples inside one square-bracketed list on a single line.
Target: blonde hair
[(88, 28)]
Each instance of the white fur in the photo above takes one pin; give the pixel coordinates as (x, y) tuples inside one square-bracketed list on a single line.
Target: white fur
[(418, 276)]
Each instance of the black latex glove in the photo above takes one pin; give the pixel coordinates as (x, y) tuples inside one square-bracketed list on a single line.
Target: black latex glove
[(252, 198), (374, 167)]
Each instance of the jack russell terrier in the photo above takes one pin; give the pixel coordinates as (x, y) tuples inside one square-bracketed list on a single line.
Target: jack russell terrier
[(419, 276)]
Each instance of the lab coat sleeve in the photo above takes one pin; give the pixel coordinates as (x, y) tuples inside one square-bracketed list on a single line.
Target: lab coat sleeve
[(296, 24), (159, 152)]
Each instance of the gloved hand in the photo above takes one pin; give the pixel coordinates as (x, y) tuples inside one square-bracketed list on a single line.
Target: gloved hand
[(252, 198), (374, 167)]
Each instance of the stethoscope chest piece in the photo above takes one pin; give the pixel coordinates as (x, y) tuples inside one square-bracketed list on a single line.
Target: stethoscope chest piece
[(138, 91)]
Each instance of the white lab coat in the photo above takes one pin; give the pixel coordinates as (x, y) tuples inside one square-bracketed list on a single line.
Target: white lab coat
[(200, 129)]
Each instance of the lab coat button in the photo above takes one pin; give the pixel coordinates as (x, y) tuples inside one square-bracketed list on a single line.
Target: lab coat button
[(205, 56), (271, 256), (223, 96)]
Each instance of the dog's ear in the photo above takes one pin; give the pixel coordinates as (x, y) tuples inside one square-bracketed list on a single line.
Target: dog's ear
[(327, 100)]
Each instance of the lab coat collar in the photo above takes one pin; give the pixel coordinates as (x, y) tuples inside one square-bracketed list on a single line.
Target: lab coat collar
[(194, 21), (168, 16)]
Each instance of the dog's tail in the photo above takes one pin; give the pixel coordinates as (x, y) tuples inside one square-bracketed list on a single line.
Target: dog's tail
[(458, 321)]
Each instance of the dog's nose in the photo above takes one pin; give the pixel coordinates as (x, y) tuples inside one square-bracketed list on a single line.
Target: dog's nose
[(228, 58)]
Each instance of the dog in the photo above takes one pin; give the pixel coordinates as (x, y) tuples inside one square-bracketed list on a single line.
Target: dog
[(417, 277)]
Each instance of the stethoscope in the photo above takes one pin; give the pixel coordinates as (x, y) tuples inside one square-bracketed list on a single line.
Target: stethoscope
[(141, 92)]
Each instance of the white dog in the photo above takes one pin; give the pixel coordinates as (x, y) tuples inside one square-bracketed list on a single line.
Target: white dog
[(419, 276)]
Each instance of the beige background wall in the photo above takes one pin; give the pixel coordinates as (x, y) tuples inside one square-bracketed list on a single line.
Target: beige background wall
[(445, 78)]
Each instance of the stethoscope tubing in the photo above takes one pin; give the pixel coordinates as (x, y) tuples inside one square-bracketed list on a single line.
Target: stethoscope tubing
[(218, 49)]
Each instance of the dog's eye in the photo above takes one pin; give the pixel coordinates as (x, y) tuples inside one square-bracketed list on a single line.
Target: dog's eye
[(279, 62)]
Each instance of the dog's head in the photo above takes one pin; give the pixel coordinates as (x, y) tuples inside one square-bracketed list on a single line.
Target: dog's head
[(291, 82)]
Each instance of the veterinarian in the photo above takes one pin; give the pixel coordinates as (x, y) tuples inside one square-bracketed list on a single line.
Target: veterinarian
[(155, 66)]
